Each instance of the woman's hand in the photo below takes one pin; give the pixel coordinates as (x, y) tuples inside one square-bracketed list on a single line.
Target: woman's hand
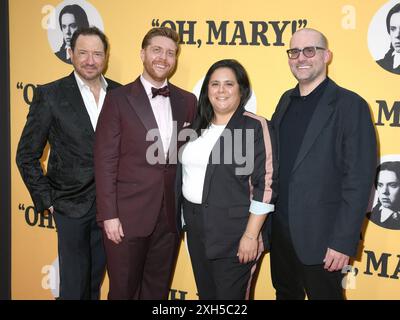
[(248, 248)]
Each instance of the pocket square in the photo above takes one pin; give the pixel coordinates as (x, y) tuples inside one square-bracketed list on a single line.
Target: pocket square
[(186, 124)]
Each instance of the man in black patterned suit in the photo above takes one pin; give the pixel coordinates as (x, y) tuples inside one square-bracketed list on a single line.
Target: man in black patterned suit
[(64, 113)]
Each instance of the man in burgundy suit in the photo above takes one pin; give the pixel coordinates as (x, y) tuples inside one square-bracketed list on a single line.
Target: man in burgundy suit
[(135, 165)]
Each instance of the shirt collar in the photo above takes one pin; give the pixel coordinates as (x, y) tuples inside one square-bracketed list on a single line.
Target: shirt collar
[(386, 213), (396, 59), (82, 84), (147, 85), (395, 53)]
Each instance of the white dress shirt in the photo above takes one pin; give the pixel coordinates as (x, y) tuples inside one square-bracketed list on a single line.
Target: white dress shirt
[(396, 59), (386, 213), (92, 108), (67, 56), (161, 107)]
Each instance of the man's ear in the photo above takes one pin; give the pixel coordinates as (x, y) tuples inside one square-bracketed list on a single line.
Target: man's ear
[(142, 54), (328, 56)]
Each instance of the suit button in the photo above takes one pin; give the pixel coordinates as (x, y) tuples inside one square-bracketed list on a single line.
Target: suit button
[(206, 205)]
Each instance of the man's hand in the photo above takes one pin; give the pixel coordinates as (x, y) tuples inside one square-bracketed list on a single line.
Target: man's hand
[(335, 260), (113, 229), (51, 209)]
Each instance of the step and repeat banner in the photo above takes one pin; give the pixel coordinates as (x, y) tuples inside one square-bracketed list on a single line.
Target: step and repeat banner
[(255, 32)]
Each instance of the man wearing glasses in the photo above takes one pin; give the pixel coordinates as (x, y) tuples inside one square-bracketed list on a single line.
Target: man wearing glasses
[(327, 160)]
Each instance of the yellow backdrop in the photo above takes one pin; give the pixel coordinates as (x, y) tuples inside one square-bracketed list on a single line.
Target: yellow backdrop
[(255, 32)]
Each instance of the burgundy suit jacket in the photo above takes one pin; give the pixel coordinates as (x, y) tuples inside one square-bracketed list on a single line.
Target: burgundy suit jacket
[(128, 187)]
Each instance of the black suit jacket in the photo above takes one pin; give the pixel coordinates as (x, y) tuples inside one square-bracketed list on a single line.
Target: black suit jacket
[(57, 115), (227, 193), (387, 62), (62, 54), (332, 175)]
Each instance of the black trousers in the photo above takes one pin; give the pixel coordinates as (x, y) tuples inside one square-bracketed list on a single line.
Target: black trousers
[(292, 279), (216, 279), (81, 255)]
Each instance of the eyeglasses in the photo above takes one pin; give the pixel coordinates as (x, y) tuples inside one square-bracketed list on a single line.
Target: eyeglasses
[(308, 52)]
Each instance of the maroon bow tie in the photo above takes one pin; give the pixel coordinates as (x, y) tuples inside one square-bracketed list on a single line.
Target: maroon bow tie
[(164, 91)]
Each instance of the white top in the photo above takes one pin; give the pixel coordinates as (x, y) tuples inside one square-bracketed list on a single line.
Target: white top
[(195, 158), (67, 56), (386, 213), (396, 59), (92, 108), (161, 107)]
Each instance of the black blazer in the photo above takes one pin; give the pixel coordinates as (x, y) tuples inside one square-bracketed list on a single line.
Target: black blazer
[(226, 194), (62, 54), (333, 174), (387, 62), (57, 115)]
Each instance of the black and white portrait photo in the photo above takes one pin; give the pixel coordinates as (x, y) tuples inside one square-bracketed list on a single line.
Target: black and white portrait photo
[(69, 16), (384, 37), (386, 211), (70, 19), (391, 60)]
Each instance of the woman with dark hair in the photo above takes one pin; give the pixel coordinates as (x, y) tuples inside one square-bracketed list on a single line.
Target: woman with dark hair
[(386, 212), (70, 19), (225, 185), (391, 60)]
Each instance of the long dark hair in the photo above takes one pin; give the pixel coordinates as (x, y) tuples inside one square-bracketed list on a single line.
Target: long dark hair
[(205, 112), (81, 18), (393, 166), (395, 9)]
